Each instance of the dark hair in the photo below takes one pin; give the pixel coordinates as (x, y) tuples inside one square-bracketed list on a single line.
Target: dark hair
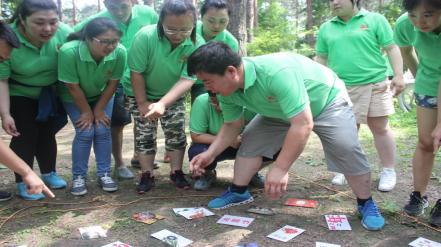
[(8, 35), (213, 58), (409, 5), (217, 4), (95, 27), (176, 8), (27, 7)]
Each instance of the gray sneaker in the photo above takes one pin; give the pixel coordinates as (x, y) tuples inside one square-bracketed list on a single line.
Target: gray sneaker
[(124, 174), (205, 181), (107, 183), (78, 187), (258, 180)]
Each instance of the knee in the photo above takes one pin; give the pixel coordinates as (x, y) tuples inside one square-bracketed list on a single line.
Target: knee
[(85, 135), (425, 144), (102, 132), (196, 149)]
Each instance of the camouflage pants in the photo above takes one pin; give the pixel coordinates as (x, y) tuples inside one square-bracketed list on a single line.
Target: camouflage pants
[(172, 122)]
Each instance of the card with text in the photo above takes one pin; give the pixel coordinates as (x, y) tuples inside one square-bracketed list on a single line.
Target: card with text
[(320, 244), (301, 203), (198, 213), (117, 244), (171, 238), (286, 233), (235, 220), (424, 242), (338, 222)]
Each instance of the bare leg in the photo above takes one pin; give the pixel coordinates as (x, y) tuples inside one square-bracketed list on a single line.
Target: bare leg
[(244, 169), (146, 162), (384, 140), (361, 185), (117, 140), (176, 159), (423, 158)]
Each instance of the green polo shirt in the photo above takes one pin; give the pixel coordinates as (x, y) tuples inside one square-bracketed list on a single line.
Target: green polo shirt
[(32, 66), (225, 37), (204, 119), (159, 65), (428, 47), (76, 65), (142, 16), (281, 85), (353, 48)]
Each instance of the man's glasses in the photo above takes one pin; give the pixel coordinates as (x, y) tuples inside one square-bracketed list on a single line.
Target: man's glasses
[(107, 43), (172, 32)]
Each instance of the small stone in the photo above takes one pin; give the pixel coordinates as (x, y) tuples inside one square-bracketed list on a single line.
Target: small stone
[(5, 181)]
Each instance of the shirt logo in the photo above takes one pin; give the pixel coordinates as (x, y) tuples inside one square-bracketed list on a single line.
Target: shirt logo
[(183, 58), (364, 28), (246, 122), (58, 47), (271, 99), (108, 73)]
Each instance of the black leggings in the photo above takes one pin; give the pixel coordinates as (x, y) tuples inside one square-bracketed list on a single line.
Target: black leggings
[(36, 139)]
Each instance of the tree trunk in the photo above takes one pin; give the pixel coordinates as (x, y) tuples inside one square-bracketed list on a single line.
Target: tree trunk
[(256, 14), (60, 10), (150, 3), (238, 25), (250, 20), (297, 14), (380, 4), (74, 13), (310, 25), (99, 6)]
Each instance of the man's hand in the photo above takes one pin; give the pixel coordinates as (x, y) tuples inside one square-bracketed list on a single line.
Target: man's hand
[(200, 161), (276, 181), (101, 117), (85, 121)]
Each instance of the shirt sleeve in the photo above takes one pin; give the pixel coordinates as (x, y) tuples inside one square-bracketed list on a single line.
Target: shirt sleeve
[(199, 118), (121, 56), (384, 32), (5, 69), (138, 53), (230, 111), (322, 46), (400, 35), (291, 94), (67, 67)]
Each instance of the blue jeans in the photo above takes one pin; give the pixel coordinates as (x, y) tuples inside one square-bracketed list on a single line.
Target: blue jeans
[(82, 143)]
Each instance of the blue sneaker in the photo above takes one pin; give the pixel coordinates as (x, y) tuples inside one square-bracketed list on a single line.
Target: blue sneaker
[(53, 181), (78, 186), (107, 183), (21, 191), (230, 198), (372, 219)]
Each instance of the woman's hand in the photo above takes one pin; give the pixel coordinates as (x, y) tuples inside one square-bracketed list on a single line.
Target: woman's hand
[(8, 125), (101, 117), (86, 120)]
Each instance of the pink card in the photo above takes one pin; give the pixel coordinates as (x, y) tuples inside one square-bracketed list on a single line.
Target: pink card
[(338, 222), (286, 233), (301, 203), (235, 220)]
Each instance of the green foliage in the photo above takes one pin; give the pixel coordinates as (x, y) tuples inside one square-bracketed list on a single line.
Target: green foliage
[(8, 7)]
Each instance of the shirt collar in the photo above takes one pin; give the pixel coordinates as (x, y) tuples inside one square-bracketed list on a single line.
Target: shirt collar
[(250, 73), (85, 55), (362, 12), (21, 38)]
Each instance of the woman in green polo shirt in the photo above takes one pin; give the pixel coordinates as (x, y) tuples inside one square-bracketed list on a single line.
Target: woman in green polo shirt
[(420, 30), (158, 73), (90, 67), (215, 16), (350, 44), (22, 79)]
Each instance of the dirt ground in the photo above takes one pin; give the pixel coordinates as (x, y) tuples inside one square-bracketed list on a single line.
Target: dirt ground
[(60, 228)]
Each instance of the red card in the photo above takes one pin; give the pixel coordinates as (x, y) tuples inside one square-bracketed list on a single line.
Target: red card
[(301, 203)]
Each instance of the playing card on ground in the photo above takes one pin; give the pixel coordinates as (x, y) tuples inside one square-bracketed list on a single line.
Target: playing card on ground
[(338, 222), (286, 233), (178, 210), (171, 238), (198, 213), (320, 244), (235, 220), (301, 203), (424, 242), (92, 232), (117, 244)]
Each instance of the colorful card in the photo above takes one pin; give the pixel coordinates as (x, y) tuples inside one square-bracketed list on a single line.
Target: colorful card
[(171, 238), (248, 245), (320, 244), (301, 203), (92, 232), (235, 220), (117, 244), (198, 213), (147, 217), (424, 242), (261, 210), (178, 210), (286, 233), (338, 222)]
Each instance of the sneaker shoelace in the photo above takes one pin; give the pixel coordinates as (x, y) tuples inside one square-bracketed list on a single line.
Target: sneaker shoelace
[(145, 179), (79, 182), (226, 194), (180, 177), (414, 200), (106, 179), (370, 209)]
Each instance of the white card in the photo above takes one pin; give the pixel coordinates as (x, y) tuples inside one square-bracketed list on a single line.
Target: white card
[(172, 238), (338, 222), (92, 232), (117, 244), (198, 213), (235, 220), (424, 242), (321, 244), (286, 233), (178, 210)]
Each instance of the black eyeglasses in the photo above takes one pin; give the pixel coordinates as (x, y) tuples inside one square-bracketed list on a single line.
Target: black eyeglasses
[(107, 43)]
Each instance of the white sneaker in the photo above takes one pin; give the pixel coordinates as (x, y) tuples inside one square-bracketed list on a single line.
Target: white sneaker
[(339, 179), (388, 180)]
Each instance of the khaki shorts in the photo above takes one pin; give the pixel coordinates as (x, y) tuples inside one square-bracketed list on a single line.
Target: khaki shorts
[(371, 100)]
